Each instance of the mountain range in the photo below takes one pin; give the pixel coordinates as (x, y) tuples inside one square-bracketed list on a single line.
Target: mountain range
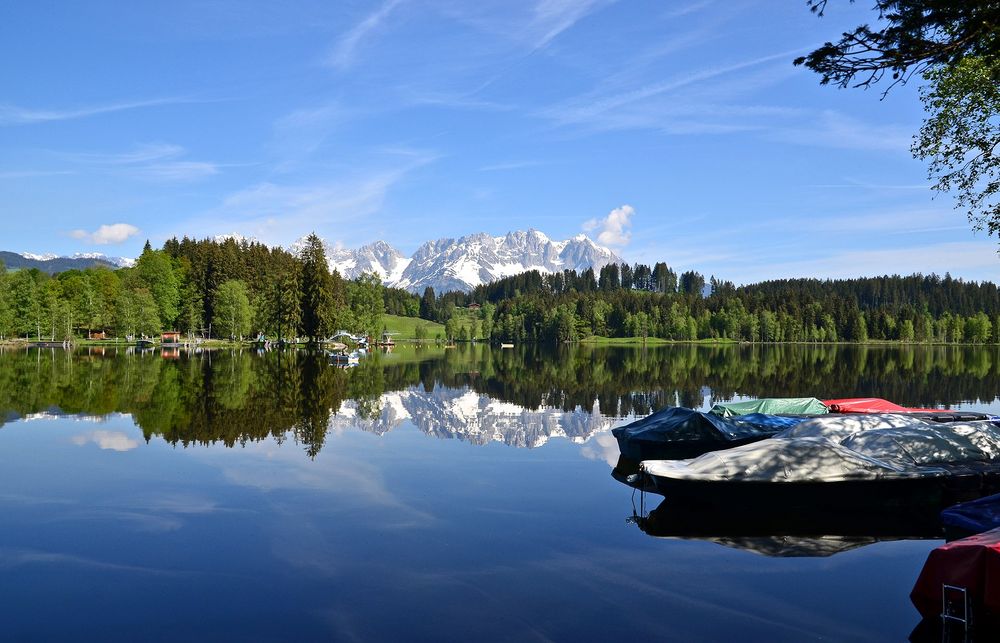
[(52, 263), (469, 261), (443, 264)]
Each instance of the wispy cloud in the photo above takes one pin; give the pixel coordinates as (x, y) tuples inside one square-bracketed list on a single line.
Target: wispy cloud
[(28, 174), (552, 17), (107, 234), (152, 161), (511, 165), (344, 52), (614, 229), (592, 107), (15, 115), (279, 212)]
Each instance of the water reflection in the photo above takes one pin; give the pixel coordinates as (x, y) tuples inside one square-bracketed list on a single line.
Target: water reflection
[(773, 531), (520, 397)]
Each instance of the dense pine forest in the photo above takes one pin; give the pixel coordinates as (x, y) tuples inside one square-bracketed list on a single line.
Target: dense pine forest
[(232, 290)]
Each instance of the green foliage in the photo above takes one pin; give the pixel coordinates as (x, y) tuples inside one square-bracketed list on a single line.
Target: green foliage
[(960, 136), (232, 310), (955, 45), (155, 273), (366, 304)]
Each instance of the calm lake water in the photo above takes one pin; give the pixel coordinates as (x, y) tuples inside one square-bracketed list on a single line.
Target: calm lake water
[(429, 494)]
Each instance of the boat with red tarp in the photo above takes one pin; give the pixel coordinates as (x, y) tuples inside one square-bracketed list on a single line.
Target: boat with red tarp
[(962, 579)]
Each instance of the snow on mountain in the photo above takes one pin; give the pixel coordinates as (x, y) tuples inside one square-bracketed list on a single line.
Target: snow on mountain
[(121, 262), (470, 261), (235, 236), (464, 414), (467, 262), (48, 256)]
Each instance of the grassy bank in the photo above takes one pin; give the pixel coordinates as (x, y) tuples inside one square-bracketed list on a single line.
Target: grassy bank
[(598, 340), (405, 328)]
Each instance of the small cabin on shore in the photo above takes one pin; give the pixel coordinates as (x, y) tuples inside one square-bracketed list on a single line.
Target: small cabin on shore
[(170, 337), (474, 306), (97, 335)]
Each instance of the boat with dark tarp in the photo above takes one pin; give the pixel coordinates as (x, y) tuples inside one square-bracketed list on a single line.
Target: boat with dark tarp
[(676, 432)]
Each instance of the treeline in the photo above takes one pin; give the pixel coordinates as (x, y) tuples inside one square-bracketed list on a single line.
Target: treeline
[(639, 301), (201, 288)]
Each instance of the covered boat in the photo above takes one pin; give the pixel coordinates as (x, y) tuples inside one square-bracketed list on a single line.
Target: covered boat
[(890, 466), (677, 432), (972, 517), (963, 573), (772, 406), (869, 405), (839, 427)]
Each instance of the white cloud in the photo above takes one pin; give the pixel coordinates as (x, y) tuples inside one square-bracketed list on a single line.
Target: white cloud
[(615, 229), (107, 440), (344, 53), (15, 115), (107, 233)]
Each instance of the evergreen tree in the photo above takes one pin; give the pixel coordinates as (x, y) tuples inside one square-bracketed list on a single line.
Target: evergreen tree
[(317, 290)]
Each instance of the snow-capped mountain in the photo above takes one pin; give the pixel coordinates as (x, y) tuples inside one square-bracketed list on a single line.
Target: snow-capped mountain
[(473, 417), (467, 262), (379, 258), (120, 262), (52, 263), (470, 261)]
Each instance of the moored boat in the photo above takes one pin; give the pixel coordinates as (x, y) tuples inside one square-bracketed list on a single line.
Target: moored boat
[(896, 466), (677, 432)]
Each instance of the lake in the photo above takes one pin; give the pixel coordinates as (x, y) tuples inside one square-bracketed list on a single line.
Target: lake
[(429, 494)]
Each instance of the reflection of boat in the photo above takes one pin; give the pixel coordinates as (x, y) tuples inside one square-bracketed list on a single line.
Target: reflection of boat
[(773, 531), (870, 468), (340, 358)]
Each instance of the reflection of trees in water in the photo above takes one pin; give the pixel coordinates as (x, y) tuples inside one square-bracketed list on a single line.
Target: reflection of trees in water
[(636, 381), (238, 396)]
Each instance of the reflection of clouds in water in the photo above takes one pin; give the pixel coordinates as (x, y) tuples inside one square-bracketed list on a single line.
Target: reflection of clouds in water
[(12, 558), (271, 467), (107, 440), (602, 446), (305, 533)]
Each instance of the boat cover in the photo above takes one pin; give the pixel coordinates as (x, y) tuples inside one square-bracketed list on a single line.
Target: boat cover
[(869, 405), (784, 460), (972, 563), (839, 427), (928, 444), (975, 516), (676, 426), (772, 406)]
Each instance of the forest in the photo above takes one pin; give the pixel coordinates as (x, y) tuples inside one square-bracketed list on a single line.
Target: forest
[(231, 290)]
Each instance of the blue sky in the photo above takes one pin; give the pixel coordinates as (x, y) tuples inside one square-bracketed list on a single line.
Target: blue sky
[(408, 120)]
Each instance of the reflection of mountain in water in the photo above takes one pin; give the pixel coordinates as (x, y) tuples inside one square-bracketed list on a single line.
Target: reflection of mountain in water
[(472, 417)]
